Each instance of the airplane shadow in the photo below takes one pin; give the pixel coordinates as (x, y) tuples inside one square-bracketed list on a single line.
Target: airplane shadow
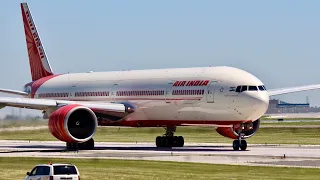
[(54, 148)]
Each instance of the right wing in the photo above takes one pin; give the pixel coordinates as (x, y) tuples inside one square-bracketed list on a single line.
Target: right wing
[(273, 92), (120, 109)]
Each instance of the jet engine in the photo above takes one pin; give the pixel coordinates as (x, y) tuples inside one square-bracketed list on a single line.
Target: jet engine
[(73, 123), (247, 130)]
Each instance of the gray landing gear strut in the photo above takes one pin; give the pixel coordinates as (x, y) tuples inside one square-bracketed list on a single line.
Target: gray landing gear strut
[(168, 139), (240, 143), (88, 145)]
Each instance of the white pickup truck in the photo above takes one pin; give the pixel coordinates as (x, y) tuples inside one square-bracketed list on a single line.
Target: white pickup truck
[(54, 172)]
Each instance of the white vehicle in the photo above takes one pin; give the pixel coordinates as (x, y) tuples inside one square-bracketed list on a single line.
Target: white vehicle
[(230, 99), (54, 172)]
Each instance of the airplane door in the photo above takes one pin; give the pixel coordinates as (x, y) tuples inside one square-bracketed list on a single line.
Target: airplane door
[(168, 92), (113, 92), (210, 91)]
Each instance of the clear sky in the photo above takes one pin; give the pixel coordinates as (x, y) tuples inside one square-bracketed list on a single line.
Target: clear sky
[(278, 41)]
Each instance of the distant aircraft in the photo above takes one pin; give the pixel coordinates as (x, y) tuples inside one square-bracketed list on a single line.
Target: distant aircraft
[(230, 99)]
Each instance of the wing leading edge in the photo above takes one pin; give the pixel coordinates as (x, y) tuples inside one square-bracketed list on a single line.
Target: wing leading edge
[(43, 104), (15, 92), (280, 91)]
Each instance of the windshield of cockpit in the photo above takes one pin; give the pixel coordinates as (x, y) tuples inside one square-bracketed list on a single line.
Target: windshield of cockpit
[(250, 88)]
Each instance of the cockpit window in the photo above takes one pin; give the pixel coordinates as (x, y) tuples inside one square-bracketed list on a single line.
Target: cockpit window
[(262, 88), (244, 88), (253, 88), (238, 89)]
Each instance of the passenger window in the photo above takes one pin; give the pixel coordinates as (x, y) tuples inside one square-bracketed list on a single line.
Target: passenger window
[(43, 170), (244, 88), (34, 171), (253, 88)]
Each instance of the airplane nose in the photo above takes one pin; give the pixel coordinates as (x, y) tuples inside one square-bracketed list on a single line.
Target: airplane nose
[(259, 104)]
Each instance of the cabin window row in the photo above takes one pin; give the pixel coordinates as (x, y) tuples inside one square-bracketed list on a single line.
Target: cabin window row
[(141, 93), (188, 92), (99, 93), (45, 95)]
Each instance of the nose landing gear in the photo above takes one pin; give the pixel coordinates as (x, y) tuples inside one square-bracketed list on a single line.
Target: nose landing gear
[(240, 143)]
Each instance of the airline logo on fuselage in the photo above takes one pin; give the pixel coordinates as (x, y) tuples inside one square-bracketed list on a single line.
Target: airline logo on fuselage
[(192, 83)]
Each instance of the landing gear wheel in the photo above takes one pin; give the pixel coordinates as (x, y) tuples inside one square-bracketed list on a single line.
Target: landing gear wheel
[(243, 145), (88, 145), (180, 141), (158, 141), (237, 145), (167, 141)]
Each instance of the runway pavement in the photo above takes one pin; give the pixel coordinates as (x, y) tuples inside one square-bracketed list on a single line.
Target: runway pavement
[(265, 155)]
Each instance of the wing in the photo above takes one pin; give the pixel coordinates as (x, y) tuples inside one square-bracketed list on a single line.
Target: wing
[(280, 91), (114, 109), (9, 91)]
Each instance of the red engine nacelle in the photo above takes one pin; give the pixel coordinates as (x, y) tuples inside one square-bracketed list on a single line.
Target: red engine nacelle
[(231, 132), (73, 123)]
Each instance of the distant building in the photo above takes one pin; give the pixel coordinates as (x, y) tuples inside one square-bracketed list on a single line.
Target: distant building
[(276, 106)]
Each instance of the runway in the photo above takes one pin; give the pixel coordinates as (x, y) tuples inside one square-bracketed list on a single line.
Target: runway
[(262, 155)]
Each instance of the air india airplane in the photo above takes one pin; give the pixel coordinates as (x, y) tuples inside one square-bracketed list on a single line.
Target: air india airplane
[(230, 99)]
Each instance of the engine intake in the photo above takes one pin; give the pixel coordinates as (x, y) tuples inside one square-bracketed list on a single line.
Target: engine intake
[(73, 123), (249, 130)]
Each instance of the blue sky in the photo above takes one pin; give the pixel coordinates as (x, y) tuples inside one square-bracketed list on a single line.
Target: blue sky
[(278, 41)]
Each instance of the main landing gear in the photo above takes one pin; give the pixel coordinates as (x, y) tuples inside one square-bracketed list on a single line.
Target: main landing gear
[(88, 145), (169, 140)]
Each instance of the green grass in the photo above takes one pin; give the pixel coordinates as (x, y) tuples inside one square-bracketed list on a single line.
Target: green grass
[(20, 123), (16, 168), (299, 118), (191, 134), (282, 123)]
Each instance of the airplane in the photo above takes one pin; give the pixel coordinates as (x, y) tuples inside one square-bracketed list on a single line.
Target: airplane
[(227, 98)]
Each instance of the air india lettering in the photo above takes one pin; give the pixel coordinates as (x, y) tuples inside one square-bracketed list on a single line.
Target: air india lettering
[(192, 83)]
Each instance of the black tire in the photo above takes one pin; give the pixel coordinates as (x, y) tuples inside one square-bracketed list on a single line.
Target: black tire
[(175, 141), (71, 146), (166, 142), (243, 145), (163, 142), (181, 141), (90, 144), (158, 141), (236, 145)]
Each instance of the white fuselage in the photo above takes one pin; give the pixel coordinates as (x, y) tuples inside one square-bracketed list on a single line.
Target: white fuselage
[(189, 95)]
